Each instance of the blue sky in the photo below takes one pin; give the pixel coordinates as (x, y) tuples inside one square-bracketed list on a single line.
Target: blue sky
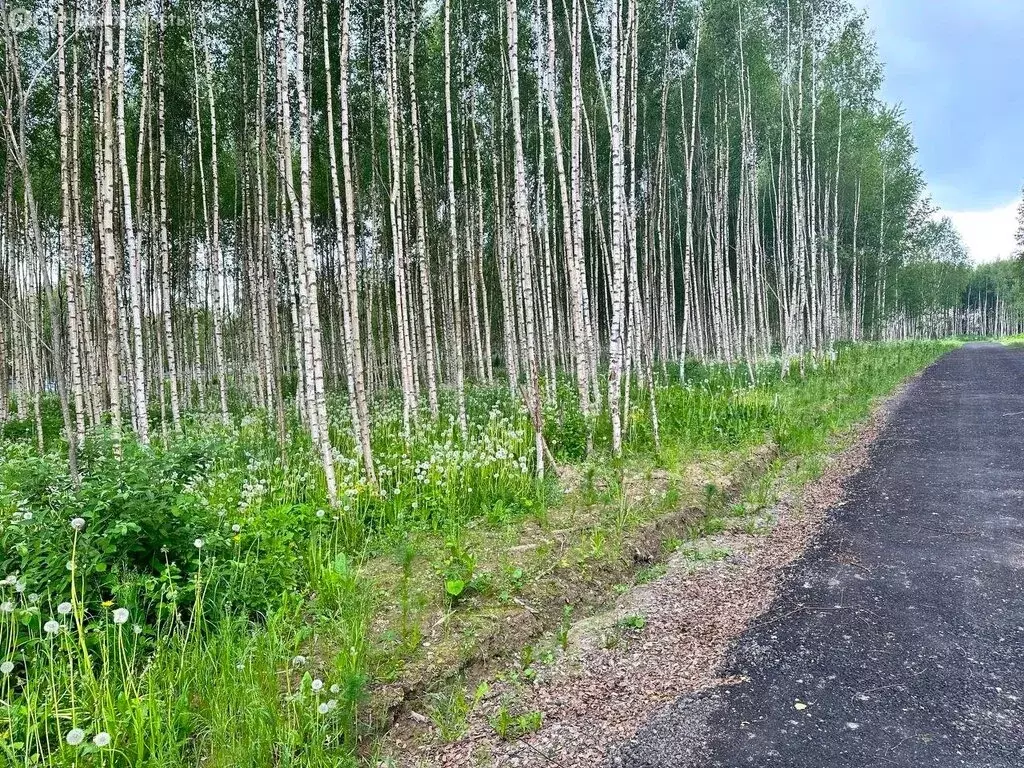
[(957, 67)]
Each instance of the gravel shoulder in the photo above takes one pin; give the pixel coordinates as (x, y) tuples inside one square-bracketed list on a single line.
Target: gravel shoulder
[(897, 638)]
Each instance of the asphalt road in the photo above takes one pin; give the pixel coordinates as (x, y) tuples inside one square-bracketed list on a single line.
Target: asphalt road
[(898, 639)]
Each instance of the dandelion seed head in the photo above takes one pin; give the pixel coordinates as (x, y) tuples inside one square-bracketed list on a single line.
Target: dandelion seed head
[(332, 704), (101, 739), (27, 516), (51, 627), (75, 737), (298, 661), (236, 528), (120, 615), (137, 629), (323, 709), (198, 543), (318, 684), (78, 523), (335, 688), (33, 598), (64, 609), (7, 607), (7, 667)]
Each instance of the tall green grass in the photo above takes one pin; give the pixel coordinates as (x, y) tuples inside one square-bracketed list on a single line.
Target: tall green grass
[(199, 602)]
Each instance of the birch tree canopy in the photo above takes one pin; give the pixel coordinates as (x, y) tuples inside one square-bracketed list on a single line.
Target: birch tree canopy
[(270, 206)]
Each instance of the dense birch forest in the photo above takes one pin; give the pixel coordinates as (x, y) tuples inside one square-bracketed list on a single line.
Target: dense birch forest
[(285, 284), (216, 208)]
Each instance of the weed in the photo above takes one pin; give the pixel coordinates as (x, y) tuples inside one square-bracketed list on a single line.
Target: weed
[(457, 571), (526, 661), (450, 710), (634, 623), (650, 573), (707, 555), (598, 544), (564, 626), (711, 525), (672, 544), (510, 726), (714, 499), (670, 499)]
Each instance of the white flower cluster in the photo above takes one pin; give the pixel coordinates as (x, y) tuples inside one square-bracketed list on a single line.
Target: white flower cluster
[(76, 736)]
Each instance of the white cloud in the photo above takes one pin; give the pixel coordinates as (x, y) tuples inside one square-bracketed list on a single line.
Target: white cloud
[(989, 235)]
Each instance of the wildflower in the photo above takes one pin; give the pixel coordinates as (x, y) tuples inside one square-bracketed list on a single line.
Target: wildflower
[(198, 543), (107, 603), (27, 516), (323, 709), (101, 739), (7, 667), (7, 606), (320, 513), (317, 685), (137, 629), (120, 615), (75, 737), (335, 688), (331, 704), (64, 609), (33, 598), (51, 627), (78, 524), (299, 661), (236, 528)]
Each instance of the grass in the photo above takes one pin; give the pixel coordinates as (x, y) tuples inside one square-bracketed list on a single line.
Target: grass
[(209, 607)]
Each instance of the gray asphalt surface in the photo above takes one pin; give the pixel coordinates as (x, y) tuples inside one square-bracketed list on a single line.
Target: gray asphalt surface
[(898, 639)]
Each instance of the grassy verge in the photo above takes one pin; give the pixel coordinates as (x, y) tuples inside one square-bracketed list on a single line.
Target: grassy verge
[(199, 603)]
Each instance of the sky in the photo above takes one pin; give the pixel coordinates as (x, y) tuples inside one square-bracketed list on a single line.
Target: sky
[(956, 68)]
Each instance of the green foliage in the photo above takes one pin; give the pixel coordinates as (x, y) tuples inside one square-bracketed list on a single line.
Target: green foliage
[(564, 626), (202, 572), (228, 560), (510, 726), (565, 427), (450, 710), (650, 573), (634, 623), (457, 571)]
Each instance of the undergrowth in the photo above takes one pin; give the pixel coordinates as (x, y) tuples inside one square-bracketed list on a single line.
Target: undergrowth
[(198, 601)]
